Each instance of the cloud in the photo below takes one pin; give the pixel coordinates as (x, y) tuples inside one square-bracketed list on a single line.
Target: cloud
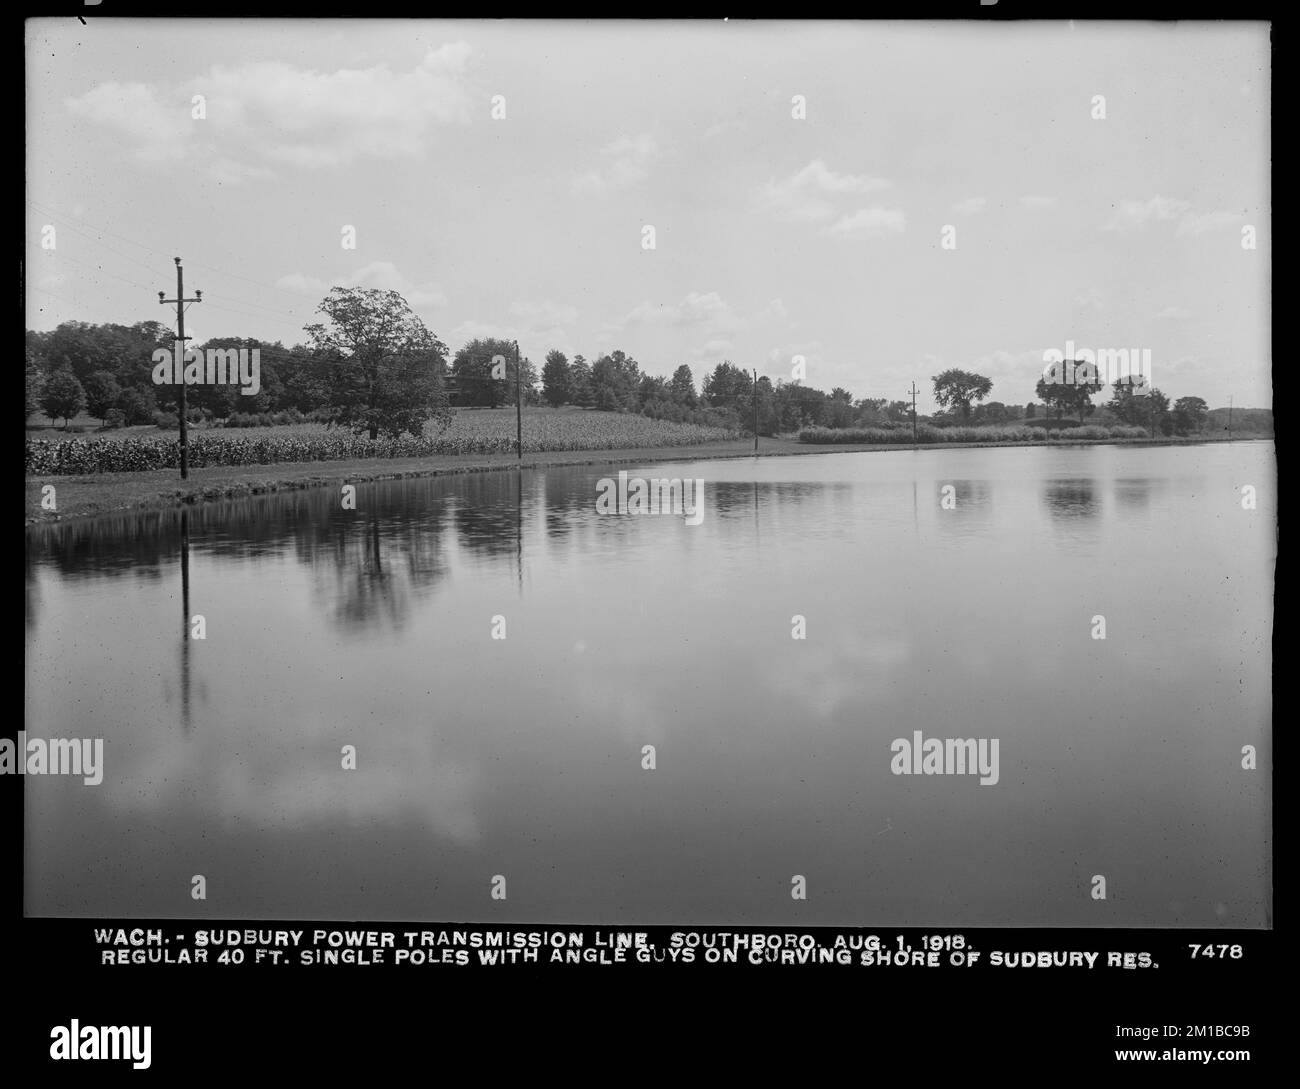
[(1211, 221), (271, 111), (1092, 299), (1037, 202), (623, 163), (716, 349), (709, 310), (868, 223), (383, 275), (970, 206), (1132, 214), (810, 195)]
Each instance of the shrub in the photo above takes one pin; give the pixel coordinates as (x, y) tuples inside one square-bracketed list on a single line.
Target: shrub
[(114, 419)]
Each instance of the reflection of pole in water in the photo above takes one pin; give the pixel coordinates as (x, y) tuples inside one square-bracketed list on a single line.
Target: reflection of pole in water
[(519, 530), (185, 619), (374, 548)]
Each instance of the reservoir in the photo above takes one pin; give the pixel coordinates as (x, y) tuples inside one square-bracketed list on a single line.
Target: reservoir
[(505, 662)]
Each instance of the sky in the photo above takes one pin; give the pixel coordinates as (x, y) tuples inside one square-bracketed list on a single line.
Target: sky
[(776, 236)]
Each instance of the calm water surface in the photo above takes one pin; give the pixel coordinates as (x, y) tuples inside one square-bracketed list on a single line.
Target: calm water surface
[(523, 757)]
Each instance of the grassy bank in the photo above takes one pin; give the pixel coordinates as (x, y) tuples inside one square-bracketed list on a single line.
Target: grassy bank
[(101, 493)]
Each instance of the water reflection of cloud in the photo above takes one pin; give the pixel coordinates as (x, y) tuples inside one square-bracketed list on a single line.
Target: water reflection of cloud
[(243, 777)]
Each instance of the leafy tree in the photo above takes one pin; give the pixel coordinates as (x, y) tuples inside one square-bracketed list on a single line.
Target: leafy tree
[(386, 365), (35, 383), (63, 396), (555, 378), (102, 392), (729, 387), (1071, 396), (580, 387), (1190, 414), (137, 405), (955, 389), (473, 370), (615, 379), (652, 389), (682, 387)]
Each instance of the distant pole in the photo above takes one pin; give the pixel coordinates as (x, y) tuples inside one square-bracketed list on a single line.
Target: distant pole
[(914, 391), (180, 302), (756, 410), (519, 407)]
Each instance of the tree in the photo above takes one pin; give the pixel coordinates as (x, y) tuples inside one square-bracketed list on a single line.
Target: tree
[(681, 387), (1190, 414), (580, 389), (1074, 392), (137, 405), (35, 383), (386, 365), (729, 387), (102, 392), (652, 389), (63, 396), (955, 389), (615, 379), (555, 378), (479, 380)]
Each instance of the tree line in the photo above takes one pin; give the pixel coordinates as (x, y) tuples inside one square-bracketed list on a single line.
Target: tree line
[(372, 365)]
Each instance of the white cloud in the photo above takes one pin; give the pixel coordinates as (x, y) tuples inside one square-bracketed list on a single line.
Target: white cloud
[(709, 309), (970, 206), (810, 195), (715, 350), (270, 111), (1131, 214), (868, 223), (378, 274), (623, 163)]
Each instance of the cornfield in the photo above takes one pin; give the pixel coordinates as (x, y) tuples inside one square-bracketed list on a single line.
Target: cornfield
[(480, 432)]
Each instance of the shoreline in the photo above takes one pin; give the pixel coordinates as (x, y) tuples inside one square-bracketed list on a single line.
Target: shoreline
[(95, 494)]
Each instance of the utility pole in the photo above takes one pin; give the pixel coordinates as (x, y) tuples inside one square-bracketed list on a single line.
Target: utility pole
[(178, 357), (914, 391), (519, 407), (756, 410)]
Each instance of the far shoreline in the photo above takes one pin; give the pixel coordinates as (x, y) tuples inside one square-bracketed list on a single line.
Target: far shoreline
[(94, 494)]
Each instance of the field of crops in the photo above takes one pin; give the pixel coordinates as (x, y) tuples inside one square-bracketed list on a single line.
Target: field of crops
[(486, 431), (926, 433)]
